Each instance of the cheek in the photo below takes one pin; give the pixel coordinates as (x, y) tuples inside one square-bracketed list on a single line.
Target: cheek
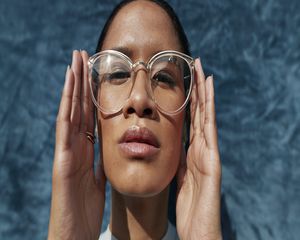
[(107, 134), (171, 136)]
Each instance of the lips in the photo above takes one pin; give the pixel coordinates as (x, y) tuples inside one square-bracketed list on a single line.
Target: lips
[(139, 142)]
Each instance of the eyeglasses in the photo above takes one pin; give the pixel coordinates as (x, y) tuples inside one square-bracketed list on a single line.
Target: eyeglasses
[(112, 76)]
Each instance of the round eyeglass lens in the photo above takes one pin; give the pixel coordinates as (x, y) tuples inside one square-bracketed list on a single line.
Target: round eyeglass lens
[(110, 80), (171, 80)]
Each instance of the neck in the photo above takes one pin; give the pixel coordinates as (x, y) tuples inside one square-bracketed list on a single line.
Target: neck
[(139, 218)]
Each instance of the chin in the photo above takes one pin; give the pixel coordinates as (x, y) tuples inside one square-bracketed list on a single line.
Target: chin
[(142, 188), (140, 178), (140, 193)]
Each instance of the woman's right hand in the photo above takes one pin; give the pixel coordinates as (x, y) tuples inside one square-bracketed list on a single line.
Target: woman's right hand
[(78, 195)]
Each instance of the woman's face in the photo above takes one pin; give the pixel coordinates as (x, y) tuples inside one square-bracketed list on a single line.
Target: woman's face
[(141, 146)]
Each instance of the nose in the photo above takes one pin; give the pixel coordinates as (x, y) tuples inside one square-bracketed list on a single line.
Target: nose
[(140, 101)]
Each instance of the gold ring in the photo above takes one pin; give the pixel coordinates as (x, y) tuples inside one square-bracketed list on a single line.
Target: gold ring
[(90, 137)]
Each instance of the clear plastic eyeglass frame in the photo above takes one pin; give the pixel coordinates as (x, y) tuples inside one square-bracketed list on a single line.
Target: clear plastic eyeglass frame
[(147, 66)]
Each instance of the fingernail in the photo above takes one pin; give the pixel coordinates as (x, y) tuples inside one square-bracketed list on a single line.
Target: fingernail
[(198, 60), (73, 59), (67, 71), (73, 56), (212, 80), (67, 77), (74, 51)]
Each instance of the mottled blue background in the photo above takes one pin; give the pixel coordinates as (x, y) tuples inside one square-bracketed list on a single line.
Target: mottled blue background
[(252, 48)]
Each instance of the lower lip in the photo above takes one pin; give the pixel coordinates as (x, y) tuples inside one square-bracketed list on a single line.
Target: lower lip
[(138, 150)]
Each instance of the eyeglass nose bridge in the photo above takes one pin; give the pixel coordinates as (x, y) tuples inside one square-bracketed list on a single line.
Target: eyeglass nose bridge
[(139, 65)]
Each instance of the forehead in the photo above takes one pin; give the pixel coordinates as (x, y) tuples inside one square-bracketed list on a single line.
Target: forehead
[(143, 28)]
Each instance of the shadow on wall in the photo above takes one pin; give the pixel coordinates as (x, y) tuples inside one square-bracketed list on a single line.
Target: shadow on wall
[(227, 231)]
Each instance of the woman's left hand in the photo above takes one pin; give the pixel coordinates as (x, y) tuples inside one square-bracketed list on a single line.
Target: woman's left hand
[(199, 173)]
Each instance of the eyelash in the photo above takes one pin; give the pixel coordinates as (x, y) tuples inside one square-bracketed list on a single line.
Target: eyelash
[(118, 75), (167, 79)]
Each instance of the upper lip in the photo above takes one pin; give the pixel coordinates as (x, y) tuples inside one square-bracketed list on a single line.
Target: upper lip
[(140, 135)]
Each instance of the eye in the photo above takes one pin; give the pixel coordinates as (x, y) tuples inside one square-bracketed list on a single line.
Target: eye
[(164, 79), (117, 77)]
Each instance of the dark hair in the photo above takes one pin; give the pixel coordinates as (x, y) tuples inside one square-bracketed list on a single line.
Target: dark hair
[(165, 6)]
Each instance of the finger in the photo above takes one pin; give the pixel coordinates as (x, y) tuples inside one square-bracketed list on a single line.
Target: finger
[(76, 69), (66, 99), (87, 122), (210, 129), (193, 109), (199, 118), (63, 118), (201, 92)]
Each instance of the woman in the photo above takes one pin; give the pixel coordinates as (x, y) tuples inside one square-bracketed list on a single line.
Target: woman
[(141, 82)]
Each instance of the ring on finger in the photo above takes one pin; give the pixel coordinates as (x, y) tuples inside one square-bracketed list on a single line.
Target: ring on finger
[(90, 137)]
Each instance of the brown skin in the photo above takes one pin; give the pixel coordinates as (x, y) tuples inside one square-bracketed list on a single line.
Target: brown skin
[(140, 187)]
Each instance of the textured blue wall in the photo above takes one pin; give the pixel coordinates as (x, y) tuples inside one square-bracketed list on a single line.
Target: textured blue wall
[(251, 47)]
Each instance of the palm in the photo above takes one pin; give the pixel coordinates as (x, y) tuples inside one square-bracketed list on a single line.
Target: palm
[(78, 195), (76, 153), (198, 199), (84, 194)]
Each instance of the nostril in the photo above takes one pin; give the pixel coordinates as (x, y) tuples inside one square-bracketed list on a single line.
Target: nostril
[(130, 110), (141, 111), (147, 112)]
